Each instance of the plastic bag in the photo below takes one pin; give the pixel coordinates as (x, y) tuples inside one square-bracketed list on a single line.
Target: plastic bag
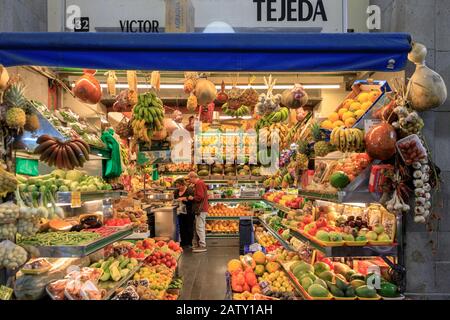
[(9, 212), (89, 291), (12, 256)]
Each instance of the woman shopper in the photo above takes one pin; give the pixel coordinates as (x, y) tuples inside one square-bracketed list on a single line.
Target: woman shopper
[(186, 216), (200, 208)]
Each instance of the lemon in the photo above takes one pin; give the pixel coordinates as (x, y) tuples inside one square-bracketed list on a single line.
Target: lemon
[(363, 97), (359, 113), (355, 106), (347, 115), (346, 104), (366, 105)]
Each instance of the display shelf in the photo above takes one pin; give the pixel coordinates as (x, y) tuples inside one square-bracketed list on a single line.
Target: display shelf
[(80, 250), (283, 242), (222, 235), (66, 197), (170, 174), (138, 236), (224, 218), (233, 199), (346, 251), (278, 206), (233, 179), (293, 281), (356, 191), (111, 286)]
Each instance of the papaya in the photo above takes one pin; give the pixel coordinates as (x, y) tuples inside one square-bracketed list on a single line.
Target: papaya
[(317, 291), (366, 292)]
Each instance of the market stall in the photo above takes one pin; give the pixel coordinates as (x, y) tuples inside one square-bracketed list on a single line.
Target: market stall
[(325, 216)]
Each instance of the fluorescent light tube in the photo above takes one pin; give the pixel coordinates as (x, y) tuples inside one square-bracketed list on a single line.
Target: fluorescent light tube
[(256, 87)]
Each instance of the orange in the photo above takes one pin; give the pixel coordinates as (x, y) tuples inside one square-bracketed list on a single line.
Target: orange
[(346, 104), (359, 113), (338, 123), (373, 95)]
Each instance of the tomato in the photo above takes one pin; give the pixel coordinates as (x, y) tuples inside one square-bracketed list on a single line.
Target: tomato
[(312, 231), (307, 219), (322, 222)]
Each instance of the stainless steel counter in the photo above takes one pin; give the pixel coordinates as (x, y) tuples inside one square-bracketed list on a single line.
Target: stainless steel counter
[(166, 221)]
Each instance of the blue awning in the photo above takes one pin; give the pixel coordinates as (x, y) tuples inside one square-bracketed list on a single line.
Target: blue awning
[(208, 52)]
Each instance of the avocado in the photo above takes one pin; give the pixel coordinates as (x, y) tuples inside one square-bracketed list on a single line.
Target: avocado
[(349, 273), (389, 290), (105, 276), (321, 282), (306, 283), (357, 283), (327, 276), (317, 291), (335, 291), (366, 292), (307, 275), (350, 292), (357, 276), (340, 282)]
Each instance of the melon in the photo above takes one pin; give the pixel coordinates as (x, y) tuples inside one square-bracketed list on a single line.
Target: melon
[(339, 180)]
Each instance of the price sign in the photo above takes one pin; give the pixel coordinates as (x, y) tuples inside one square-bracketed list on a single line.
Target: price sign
[(75, 201), (6, 293), (369, 123)]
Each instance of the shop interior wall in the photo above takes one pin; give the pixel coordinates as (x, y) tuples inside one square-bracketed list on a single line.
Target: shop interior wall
[(23, 16), (428, 270)]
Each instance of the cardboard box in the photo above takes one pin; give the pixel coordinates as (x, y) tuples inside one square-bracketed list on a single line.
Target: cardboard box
[(180, 16)]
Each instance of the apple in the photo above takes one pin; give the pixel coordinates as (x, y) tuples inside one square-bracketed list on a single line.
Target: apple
[(384, 237), (378, 228)]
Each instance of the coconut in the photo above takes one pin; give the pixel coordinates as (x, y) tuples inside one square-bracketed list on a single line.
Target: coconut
[(205, 91), (426, 88)]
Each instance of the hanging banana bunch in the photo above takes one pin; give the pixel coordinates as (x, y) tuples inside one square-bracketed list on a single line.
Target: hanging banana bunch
[(132, 86), (155, 80), (111, 82)]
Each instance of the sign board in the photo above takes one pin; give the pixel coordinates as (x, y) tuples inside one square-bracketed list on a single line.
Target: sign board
[(241, 15)]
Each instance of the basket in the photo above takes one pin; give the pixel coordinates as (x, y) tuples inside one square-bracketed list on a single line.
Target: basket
[(355, 243)]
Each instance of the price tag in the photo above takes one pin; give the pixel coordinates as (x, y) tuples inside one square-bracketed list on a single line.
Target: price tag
[(75, 201), (6, 293), (369, 123)]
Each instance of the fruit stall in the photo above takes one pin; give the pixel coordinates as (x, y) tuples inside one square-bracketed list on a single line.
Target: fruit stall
[(310, 145)]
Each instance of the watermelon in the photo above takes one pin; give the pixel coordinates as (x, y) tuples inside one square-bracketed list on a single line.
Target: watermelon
[(339, 180)]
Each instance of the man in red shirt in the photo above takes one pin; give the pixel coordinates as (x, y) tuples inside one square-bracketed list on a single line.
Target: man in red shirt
[(200, 209)]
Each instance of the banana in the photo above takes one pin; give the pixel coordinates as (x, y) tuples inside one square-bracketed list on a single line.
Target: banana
[(44, 138), (83, 149), (47, 152), (342, 140), (71, 155), (348, 140), (42, 147), (52, 159)]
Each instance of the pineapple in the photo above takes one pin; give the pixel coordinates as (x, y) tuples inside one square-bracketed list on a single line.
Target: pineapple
[(316, 132), (32, 123), (303, 147), (302, 161), (321, 148), (16, 118), (14, 96)]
